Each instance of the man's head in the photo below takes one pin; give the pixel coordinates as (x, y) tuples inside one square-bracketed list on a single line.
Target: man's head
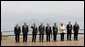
[(54, 24), (41, 23), (17, 24), (24, 23), (47, 24), (76, 23), (69, 22)]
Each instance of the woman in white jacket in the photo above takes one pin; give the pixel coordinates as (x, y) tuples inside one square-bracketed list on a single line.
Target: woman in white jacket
[(62, 31)]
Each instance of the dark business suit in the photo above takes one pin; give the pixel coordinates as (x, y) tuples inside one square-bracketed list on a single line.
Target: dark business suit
[(48, 32), (69, 31), (34, 32), (55, 31), (17, 33), (41, 33), (25, 32), (75, 29)]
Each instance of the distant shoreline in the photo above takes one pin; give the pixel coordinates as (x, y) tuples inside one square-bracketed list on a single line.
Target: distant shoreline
[(30, 30)]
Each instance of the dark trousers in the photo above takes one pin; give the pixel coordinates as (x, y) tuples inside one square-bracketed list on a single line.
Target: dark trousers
[(48, 37), (62, 36), (76, 36), (34, 37), (24, 37), (17, 37), (68, 36), (55, 36), (41, 37)]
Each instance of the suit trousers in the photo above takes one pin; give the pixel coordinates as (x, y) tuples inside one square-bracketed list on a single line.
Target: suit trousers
[(34, 37), (69, 36), (24, 37), (17, 37), (48, 37), (55, 36), (62, 36), (41, 37), (76, 35)]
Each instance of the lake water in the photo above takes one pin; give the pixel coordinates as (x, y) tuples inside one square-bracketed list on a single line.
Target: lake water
[(30, 32)]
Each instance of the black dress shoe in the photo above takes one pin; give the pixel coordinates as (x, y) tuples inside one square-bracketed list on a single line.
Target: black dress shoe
[(70, 40), (74, 40), (77, 39), (15, 42), (42, 41), (26, 41)]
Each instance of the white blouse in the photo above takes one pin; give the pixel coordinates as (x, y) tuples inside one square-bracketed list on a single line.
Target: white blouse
[(62, 29)]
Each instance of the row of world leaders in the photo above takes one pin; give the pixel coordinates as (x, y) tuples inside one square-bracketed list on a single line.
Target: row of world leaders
[(42, 29)]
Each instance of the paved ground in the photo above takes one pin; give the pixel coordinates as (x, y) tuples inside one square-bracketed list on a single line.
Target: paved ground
[(11, 42)]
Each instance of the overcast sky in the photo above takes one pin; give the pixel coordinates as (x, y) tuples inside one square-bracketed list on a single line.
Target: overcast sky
[(13, 12)]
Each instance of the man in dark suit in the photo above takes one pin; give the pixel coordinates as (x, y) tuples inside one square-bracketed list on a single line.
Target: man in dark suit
[(69, 31), (55, 31), (34, 32), (76, 29), (48, 32), (25, 31), (17, 30), (41, 32)]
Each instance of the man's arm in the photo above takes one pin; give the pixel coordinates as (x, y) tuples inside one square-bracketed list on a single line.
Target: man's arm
[(78, 27), (46, 30), (51, 32), (43, 29), (39, 29), (57, 29), (27, 29), (66, 26), (71, 27), (36, 30), (19, 30)]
